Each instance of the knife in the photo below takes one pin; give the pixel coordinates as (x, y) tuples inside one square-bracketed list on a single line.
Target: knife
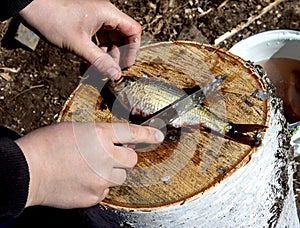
[(184, 104)]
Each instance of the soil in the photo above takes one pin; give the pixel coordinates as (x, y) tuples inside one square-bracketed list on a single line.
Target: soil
[(34, 84)]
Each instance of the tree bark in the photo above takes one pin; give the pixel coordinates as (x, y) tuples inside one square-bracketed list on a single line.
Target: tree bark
[(195, 178)]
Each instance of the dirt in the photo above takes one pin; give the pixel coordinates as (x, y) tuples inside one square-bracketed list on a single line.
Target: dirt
[(35, 84)]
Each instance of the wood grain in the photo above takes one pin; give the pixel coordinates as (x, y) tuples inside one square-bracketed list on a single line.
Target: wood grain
[(189, 161)]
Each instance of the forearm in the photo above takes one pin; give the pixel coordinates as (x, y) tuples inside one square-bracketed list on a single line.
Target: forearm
[(14, 177), (9, 8)]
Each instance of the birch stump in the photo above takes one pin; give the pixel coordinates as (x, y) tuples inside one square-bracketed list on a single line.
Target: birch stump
[(194, 178)]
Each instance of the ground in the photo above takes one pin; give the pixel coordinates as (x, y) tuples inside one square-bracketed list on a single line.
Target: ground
[(35, 84)]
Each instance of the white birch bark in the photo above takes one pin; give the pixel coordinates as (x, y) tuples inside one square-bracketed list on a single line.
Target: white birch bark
[(259, 194)]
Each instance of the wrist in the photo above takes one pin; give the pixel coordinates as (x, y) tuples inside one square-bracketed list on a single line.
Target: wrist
[(14, 178), (30, 154)]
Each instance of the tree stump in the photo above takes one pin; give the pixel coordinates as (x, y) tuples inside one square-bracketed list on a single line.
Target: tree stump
[(194, 178)]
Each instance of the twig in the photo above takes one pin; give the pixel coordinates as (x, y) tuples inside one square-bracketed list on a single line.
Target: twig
[(5, 76), (26, 90), (223, 4), (10, 70), (5, 72), (246, 24), (180, 7), (205, 12), (171, 4)]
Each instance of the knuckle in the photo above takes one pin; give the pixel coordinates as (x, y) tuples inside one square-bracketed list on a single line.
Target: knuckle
[(137, 28), (104, 194), (135, 132), (121, 178), (132, 158), (124, 157)]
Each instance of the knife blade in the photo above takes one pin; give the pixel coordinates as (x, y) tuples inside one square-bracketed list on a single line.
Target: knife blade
[(184, 104)]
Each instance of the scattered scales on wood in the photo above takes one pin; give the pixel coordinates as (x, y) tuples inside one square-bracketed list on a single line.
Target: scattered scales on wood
[(194, 178)]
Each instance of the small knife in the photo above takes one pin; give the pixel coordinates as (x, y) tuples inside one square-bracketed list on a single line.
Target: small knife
[(169, 113)]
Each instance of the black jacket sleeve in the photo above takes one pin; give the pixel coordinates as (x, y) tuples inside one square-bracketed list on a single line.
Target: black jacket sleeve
[(9, 8), (14, 177)]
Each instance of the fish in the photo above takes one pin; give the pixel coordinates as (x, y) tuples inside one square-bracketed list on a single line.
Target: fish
[(144, 96)]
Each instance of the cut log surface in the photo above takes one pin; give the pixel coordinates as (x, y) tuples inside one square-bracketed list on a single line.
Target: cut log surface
[(195, 178)]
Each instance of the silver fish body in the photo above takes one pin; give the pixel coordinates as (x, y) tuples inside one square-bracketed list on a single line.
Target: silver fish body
[(145, 96)]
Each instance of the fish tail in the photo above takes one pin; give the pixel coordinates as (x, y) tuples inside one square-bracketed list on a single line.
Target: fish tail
[(249, 140), (252, 141), (243, 128), (236, 133)]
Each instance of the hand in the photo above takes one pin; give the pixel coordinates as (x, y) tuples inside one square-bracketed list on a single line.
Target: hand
[(74, 164), (72, 24)]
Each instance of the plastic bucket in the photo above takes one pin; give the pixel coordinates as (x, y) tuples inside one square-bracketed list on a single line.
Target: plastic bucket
[(270, 44), (278, 51)]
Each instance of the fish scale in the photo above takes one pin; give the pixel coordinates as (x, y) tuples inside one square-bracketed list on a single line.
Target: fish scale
[(144, 97), (150, 95)]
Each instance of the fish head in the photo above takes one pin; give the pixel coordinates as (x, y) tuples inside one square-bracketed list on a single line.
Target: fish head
[(121, 88), (118, 86)]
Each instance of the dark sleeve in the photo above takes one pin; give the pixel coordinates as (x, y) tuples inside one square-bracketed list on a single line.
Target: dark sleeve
[(14, 177), (9, 8)]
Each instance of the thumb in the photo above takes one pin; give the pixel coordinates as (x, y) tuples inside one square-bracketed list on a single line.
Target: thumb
[(101, 60)]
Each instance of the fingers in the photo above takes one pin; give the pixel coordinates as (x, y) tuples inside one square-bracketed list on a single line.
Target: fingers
[(111, 134), (109, 60), (118, 177), (132, 134), (132, 31), (128, 31), (122, 49), (96, 142), (101, 60), (113, 172), (120, 35), (124, 157), (104, 194), (129, 53)]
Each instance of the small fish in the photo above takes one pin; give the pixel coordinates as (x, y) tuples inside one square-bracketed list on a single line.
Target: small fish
[(144, 96)]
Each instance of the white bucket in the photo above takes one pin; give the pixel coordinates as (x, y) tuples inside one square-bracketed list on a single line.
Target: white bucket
[(278, 51), (270, 44)]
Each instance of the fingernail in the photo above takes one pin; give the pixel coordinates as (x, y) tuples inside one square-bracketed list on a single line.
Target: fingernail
[(159, 136), (114, 73)]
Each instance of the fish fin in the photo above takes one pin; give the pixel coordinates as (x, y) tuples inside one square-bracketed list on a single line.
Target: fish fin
[(252, 141), (135, 119), (191, 89), (236, 133), (243, 128), (187, 129), (200, 126), (113, 104)]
